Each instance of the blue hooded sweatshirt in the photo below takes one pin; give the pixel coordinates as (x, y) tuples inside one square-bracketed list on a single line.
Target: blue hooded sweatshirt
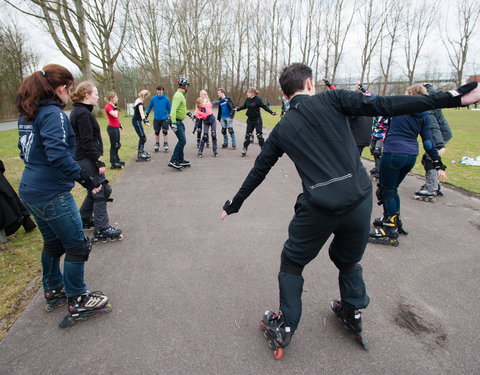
[(162, 107), (47, 146)]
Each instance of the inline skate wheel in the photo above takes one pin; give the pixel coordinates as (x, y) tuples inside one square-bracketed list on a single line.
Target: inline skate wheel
[(278, 353)]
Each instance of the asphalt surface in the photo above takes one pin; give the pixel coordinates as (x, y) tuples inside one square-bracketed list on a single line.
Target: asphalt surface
[(188, 291)]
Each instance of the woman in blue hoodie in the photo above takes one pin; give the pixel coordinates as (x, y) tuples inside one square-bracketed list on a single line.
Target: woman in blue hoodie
[(47, 146)]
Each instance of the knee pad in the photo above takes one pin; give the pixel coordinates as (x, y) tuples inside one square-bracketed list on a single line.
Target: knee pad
[(157, 132), (164, 132), (288, 266), (54, 248), (205, 137), (117, 146), (260, 138), (143, 139), (214, 134), (231, 131), (248, 136), (79, 253), (376, 151), (104, 194), (224, 131)]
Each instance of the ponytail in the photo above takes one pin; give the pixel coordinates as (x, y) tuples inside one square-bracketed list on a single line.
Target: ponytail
[(40, 86)]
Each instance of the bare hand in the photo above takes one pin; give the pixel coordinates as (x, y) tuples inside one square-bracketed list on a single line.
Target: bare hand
[(97, 189), (101, 170), (472, 97), (442, 176), (223, 215), (442, 151)]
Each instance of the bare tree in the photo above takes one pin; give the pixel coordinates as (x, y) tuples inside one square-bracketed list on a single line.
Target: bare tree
[(467, 16), (16, 61), (65, 21), (388, 43), (418, 21), (107, 36), (373, 19)]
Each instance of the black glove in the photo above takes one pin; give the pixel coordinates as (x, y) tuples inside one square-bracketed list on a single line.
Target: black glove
[(274, 113), (145, 121), (189, 114), (99, 164), (87, 181), (462, 90), (115, 107), (437, 164), (233, 206), (361, 88), (327, 82)]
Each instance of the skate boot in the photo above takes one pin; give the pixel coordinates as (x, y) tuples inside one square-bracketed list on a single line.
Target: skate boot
[(54, 298), (109, 233), (85, 306), (252, 139), (234, 147), (244, 152), (156, 147), (175, 165), (122, 163), (215, 153), (387, 234), (185, 163), (199, 155), (378, 222), (352, 320), (225, 145), (143, 156), (275, 331), (165, 146), (426, 196), (207, 145), (116, 166), (87, 223), (198, 143)]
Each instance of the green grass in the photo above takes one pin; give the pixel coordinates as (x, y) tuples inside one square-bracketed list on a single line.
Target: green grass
[(465, 127), (20, 268)]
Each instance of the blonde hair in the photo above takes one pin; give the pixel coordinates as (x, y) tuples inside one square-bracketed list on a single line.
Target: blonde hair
[(204, 95), (144, 94), (81, 91), (199, 102), (253, 90), (417, 89), (110, 95)]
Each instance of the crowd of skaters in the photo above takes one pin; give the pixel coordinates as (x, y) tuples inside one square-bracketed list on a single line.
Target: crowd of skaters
[(337, 192)]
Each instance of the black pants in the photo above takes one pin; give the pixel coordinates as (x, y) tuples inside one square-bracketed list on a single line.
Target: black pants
[(114, 135), (252, 124), (94, 205), (308, 231)]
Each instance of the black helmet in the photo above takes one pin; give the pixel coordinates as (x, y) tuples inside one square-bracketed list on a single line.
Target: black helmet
[(182, 82)]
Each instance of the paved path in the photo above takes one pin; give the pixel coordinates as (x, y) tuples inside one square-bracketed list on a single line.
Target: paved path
[(188, 291)]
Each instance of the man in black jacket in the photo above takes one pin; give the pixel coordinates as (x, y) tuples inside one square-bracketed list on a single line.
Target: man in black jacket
[(337, 193)]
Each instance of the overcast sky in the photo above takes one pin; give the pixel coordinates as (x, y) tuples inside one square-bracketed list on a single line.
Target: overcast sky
[(431, 61)]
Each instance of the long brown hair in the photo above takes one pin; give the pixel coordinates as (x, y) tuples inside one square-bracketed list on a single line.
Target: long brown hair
[(40, 86)]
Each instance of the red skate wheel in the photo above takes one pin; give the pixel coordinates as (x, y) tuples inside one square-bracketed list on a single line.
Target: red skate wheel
[(278, 353)]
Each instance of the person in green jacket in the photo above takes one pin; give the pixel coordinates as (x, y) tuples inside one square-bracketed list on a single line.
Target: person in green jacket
[(178, 114)]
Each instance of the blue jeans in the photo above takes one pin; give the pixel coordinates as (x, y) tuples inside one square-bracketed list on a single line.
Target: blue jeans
[(59, 219), (393, 169), (180, 133), (227, 123)]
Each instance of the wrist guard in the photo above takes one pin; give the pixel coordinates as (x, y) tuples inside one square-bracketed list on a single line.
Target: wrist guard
[(437, 164), (87, 181), (99, 164), (233, 206)]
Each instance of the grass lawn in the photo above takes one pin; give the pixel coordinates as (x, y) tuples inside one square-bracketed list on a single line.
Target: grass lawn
[(20, 269)]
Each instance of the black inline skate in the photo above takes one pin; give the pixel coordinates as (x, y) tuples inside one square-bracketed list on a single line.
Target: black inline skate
[(165, 146), (378, 222), (156, 148), (224, 145), (85, 306), (116, 166), (143, 156), (387, 234), (426, 196), (244, 152), (185, 163), (87, 223), (54, 298), (352, 320), (109, 233), (275, 331)]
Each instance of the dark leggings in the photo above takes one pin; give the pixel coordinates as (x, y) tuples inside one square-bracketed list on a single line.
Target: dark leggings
[(114, 135)]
